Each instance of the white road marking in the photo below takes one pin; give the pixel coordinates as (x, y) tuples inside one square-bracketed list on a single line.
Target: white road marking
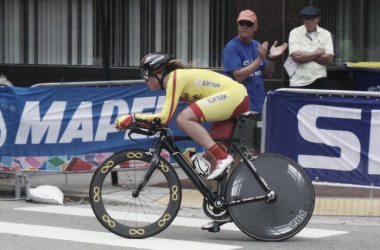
[(109, 239), (319, 233), (179, 221)]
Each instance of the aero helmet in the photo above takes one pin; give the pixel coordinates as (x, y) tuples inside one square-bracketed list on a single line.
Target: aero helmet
[(152, 62)]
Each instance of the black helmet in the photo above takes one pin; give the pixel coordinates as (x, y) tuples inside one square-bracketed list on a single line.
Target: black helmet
[(152, 62)]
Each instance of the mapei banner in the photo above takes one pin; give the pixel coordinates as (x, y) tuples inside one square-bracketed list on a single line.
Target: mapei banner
[(60, 121), (334, 138)]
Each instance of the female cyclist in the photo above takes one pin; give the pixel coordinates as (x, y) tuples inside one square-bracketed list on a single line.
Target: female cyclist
[(213, 98)]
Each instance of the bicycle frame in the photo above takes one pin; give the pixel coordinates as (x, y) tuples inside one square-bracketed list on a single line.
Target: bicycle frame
[(168, 143)]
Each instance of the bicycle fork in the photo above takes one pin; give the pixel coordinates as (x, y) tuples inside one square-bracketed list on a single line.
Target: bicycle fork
[(152, 166)]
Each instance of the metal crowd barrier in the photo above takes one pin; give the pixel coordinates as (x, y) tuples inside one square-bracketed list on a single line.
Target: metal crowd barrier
[(91, 84)]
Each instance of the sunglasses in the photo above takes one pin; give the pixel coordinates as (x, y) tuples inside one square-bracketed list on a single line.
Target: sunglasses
[(246, 23), (144, 73)]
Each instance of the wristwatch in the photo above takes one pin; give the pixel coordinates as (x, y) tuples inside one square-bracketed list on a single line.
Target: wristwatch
[(270, 59)]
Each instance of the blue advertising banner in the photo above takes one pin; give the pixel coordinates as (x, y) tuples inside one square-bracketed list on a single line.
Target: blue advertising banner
[(56, 121), (334, 138)]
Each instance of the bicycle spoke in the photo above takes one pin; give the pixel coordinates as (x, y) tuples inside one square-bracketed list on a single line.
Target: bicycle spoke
[(134, 217)]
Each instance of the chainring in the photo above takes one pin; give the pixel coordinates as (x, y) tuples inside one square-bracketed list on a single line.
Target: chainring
[(214, 212)]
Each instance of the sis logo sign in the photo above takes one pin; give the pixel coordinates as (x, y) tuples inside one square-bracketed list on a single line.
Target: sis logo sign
[(333, 138)]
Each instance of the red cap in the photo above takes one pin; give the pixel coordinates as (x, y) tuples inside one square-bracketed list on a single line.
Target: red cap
[(247, 15)]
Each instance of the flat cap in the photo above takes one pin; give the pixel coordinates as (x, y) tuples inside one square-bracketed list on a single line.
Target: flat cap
[(311, 11)]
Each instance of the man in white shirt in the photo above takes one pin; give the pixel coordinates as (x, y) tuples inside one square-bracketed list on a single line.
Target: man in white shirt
[(312, 48)]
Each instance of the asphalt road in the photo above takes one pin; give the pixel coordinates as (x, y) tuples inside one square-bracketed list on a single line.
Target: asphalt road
[(27, 225)]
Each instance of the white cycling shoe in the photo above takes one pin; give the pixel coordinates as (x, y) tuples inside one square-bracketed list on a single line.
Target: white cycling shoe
[(214, 225), (221, 166)]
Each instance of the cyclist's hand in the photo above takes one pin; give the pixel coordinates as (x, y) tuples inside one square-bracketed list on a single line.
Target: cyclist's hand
[(123, 122)]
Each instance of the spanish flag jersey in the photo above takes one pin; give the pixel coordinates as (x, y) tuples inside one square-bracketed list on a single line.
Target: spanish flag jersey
[(213, 96)]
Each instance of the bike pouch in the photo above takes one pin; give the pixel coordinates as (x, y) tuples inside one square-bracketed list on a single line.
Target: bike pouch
[(245, 129)]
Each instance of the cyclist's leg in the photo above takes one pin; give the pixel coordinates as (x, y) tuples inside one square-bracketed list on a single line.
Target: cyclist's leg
[(221, 129), (187, 120), (220, 107)]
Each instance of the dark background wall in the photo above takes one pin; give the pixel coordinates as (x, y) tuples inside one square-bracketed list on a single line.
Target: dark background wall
[(276, 18)]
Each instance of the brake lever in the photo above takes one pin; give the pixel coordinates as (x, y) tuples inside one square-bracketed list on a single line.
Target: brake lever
[(130, 133)]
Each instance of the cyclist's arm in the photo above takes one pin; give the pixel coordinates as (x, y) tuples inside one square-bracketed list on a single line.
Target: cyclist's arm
[(173, 93)]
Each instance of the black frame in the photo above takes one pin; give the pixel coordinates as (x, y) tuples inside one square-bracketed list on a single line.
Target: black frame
[(168, 143)]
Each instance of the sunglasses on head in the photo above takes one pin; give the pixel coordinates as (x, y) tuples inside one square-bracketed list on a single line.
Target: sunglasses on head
[(246, 23)]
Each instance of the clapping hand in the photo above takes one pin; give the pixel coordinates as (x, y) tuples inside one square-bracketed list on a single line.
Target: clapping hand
[(263, 48), (276, 51)]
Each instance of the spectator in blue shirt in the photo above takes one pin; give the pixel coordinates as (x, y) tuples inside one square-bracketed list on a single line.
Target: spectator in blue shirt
[(245, 61)]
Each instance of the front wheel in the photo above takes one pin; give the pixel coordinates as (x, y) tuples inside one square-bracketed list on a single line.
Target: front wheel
[(129, 215), (282, 217)]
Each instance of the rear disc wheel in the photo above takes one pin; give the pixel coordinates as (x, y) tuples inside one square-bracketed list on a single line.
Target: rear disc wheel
[(282, 217)]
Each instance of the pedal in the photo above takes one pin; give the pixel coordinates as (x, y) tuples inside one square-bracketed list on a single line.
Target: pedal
[(222, 175), (217, 224), (215, 228)]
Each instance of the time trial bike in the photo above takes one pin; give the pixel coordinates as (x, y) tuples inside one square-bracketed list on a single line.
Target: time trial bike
[(269, 197)]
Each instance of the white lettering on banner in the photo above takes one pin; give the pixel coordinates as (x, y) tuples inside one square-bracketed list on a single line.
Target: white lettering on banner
[(105, 118), (30, 123), (348, 142), (374, 144), (143, 103), (3, 130), (80, 125)]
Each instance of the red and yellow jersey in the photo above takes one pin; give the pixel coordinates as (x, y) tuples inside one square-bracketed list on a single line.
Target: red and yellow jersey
[(215, 97)]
